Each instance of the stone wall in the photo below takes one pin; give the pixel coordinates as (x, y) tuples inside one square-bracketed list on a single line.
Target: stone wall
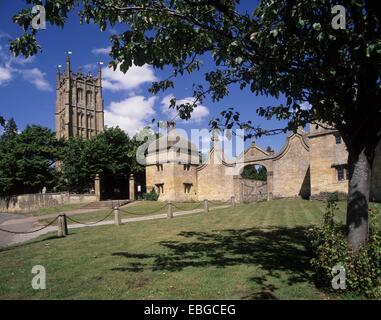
[(215, 180), (30, 202), (324, 154), (173, 177), (291, 169)]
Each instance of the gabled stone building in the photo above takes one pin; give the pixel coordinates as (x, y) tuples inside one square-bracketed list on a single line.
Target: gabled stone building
[(310, 165)]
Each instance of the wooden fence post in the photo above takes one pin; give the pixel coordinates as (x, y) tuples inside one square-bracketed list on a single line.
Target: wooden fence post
[(206, 206), (60, 232), (170, 210), (117, 218), (66, 230), (62, 226)]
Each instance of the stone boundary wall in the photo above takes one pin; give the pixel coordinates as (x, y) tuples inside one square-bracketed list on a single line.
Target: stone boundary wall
[(31, 202)]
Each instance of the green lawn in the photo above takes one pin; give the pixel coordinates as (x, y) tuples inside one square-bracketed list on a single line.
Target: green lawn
[(56, 209), (134, 209), (249, 252)]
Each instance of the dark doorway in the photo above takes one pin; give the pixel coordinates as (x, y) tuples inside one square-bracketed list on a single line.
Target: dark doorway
[(114, 187)]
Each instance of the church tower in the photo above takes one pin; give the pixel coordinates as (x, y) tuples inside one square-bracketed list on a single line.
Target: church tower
[(79, 104)]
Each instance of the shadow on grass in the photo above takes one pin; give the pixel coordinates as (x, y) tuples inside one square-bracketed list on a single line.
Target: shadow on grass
[(273, 250), (33, 241)]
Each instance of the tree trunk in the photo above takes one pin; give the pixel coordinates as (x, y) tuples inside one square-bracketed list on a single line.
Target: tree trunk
[(360, 168)]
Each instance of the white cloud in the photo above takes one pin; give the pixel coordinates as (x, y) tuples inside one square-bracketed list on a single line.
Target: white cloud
[(198, 113), (132, 79), (99, 51), (37, 78), (14, 66), (5, 75), (131, 114)]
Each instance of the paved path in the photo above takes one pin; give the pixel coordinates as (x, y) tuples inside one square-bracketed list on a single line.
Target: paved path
[(7, 239), (21, 219)]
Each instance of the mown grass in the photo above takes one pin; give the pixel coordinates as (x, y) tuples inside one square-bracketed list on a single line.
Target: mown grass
[(254, 251), (56, 209), (132, 210)]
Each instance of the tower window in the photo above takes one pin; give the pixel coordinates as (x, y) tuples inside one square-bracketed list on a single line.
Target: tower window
[(89, 96), (159, 167), (79, 95), (338, 139), (187, 187), (186, 167)]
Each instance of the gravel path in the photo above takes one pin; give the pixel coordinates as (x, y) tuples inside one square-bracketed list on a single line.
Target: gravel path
[(23, 224)]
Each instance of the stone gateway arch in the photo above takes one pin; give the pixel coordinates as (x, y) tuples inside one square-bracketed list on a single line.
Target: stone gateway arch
[(310, 165)]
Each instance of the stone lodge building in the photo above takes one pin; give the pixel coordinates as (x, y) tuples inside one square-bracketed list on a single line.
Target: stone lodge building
[(310, 165)]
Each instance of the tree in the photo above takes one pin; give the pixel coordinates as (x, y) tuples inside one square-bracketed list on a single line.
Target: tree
[(285, 48), (36, 153), (2, 121), (26, 159), (254, 172), (10, 130), (110, 153), (8, 159), (75, 174)]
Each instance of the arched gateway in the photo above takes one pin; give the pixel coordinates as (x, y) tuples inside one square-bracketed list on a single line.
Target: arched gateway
[(310, 164)]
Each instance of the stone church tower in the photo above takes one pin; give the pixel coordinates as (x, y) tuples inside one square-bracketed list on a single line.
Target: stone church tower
[(79, 104)]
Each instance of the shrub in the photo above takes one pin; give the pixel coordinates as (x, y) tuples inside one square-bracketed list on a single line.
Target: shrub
[(151, 196), (330, 248)]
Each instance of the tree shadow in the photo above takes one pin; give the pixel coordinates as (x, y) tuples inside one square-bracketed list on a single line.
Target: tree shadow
[(274, 250)]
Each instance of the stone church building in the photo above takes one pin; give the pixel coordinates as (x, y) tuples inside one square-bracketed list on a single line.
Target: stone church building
[(79, 104), (310, 165)]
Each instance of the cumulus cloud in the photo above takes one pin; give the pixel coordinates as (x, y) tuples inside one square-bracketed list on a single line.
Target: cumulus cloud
[(198, 114), (131, 114), (132, 79), (5, 75), (99, 51), (13, 67), (36, 77)]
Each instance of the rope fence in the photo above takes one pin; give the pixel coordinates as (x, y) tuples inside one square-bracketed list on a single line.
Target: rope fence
[(188, 209), (33, 231), (62, 218), (145, 212), (90, 223)]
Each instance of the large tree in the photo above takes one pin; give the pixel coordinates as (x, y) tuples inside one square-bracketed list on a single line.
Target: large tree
[(284, 48), (110, 153), (27, 159)]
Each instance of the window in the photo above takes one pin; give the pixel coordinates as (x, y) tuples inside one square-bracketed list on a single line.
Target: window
[(342, 172), (186, 167), (338, 139), (187, 187), (79, 95), (160, 187), (89, 96), (159, 167)]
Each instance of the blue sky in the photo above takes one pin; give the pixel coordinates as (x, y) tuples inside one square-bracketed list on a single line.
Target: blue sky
[(27, 85)]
